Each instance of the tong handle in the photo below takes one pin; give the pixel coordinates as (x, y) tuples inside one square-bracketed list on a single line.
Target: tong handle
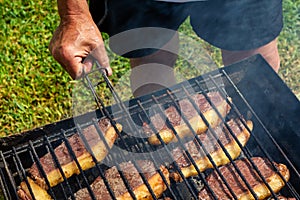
[(104, 73)]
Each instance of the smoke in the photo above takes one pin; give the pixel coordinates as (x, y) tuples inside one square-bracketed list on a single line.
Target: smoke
[(194, 61)]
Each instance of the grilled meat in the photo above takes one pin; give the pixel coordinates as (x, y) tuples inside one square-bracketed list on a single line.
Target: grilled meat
[(239, 187), (84, 157), (134, 179), (38, 192), (188, 110), (212, 147)]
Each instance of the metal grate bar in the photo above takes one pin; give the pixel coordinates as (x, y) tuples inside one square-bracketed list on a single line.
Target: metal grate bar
[(149, 188), (186, 121), (222, 146), (51, 150), (144, 179), (39, 165), (246, 153), (71, 152), (12, 169), (243, 178), (100, 134), (111, 88), (103, 109), (215, 136), (151, 149), (262, 125), (3, 185), (78, 182), (154, 160), (93, 156), (253, 165), (120, 103), (168, 152), (116, 164), (91, 87), (11, 179), (21, 170), (168, 123), (139, 147), (259, 143), (125, 182)]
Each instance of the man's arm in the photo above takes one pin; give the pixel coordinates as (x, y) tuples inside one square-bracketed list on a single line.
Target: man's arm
[(76, 36)]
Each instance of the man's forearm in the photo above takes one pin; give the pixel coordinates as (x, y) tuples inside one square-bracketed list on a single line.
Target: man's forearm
[(67, 8), (76, 37)]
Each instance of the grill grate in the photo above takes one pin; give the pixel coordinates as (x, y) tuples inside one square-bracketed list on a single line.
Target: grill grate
[(274, 136)]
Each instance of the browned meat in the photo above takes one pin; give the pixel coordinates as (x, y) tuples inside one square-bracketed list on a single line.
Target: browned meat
[(38, 192), (134, 179), (188, 110), (84, 157), (239, 187), (212, 147)]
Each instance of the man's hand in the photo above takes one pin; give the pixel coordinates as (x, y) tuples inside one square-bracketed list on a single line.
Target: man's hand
[(76, 37)]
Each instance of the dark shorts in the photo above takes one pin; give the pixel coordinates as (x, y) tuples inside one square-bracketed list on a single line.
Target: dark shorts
[(227, 24)]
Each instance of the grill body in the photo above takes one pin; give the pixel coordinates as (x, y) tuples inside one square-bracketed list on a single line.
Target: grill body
[(257, 92)]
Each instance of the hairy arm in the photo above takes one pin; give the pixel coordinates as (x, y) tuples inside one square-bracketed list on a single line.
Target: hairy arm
[(77, 36)]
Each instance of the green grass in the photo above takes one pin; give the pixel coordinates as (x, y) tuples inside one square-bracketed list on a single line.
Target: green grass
[(35, 90), (289, 46), (32, 83)]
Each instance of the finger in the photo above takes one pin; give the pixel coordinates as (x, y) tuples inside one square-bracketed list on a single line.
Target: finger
[(100, 54), (88, 64), (70, 63), (75, 68)]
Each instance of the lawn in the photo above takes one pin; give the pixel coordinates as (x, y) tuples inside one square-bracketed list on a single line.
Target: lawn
[(35, 90)]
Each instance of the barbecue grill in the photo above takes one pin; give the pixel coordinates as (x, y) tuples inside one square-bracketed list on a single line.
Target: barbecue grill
[(257, 93)]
